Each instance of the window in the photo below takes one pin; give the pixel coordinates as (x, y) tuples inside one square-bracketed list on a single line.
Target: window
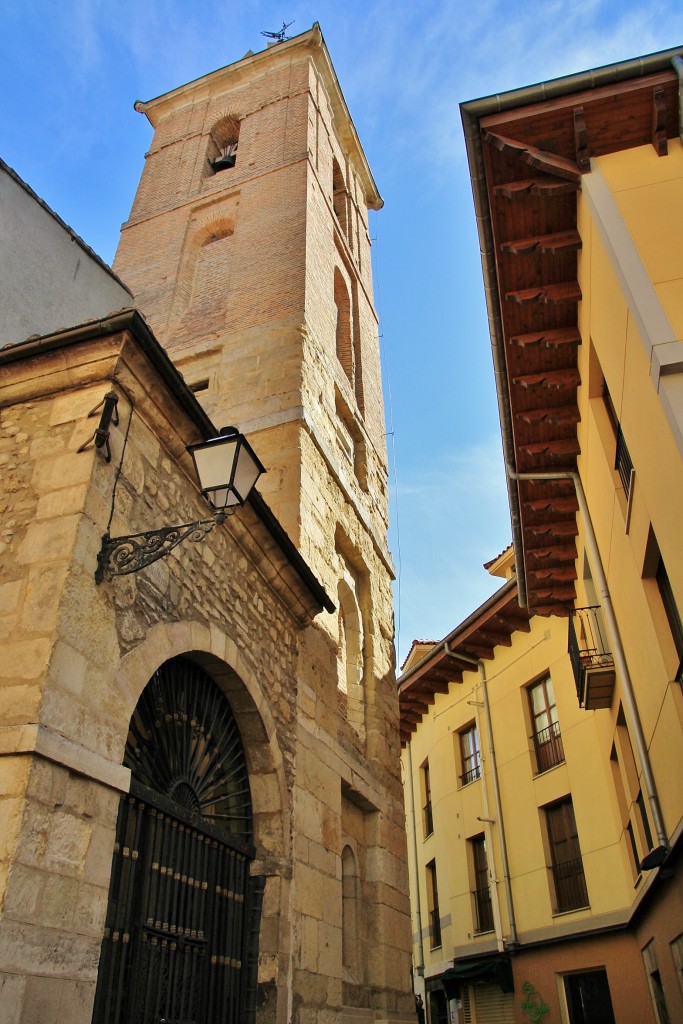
[(482, 890), (677, 954), (433, 905), (350, 912), (223, 141), (546, 728), (630, 798), (655, 982), (569, 883), (672, 614), (350, 652), (339, 196), (588, 997), (343, 340), (623, 464), (470, 758), (351, 440), (427, 818)]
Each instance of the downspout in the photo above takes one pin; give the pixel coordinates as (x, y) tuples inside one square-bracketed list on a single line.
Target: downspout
[(412, 831), (630, 704), (487, 821), (513, 941)]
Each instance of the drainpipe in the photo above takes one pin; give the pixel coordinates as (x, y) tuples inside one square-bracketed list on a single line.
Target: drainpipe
[(677, 62), (513, 941), (487, 822), (630, 704), (412, 831)]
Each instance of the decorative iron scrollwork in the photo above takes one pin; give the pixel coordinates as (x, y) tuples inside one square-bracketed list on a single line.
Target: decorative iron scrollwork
[(121, 555)]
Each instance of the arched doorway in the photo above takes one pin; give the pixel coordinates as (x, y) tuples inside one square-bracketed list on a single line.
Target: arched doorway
[(181, 935)]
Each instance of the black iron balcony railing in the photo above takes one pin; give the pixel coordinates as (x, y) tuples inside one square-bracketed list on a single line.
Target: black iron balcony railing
[(434, 928), (548, 745), (570, 885), (428, 818), (591, 658), (471, 775), (483, 909), (623, 463)]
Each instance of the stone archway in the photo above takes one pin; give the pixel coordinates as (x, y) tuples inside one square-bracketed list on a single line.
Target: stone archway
[(267, 845), (181, 935)]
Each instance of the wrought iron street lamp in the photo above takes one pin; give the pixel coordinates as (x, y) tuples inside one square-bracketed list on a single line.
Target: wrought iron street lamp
[(227, 469)]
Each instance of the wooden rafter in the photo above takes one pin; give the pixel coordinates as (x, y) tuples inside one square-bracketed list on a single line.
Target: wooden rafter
[(554, 379), (558, 414), (557, 338), (559, 241), (560, 447), (547, 294), (537, 158)]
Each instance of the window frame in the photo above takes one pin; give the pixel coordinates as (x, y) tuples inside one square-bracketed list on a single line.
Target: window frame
[(569, 888), (470, 760), (481, 883), (549, 752)]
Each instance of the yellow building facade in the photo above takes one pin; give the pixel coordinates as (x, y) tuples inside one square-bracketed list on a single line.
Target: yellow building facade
[(578, 190)]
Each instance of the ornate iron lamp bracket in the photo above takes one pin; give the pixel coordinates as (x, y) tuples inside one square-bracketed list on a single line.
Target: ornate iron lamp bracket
[(121, 555)]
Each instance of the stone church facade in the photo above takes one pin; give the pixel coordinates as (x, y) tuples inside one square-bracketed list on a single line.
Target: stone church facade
[(201, 811)]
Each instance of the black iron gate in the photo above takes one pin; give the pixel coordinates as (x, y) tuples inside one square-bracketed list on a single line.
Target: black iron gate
[(181, 936)]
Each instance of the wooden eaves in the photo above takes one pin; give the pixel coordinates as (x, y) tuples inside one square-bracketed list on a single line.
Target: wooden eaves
[(527, 152), (492, 624)]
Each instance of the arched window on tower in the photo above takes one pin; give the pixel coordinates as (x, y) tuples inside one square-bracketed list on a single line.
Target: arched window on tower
[(350, 652), (350, 914), (340, 197), (344, 341), (221, 153)]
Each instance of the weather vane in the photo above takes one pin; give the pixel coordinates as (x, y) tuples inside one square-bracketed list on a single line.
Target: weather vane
[(279, 36)]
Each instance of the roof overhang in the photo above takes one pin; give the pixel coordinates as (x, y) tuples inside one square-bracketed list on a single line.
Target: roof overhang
[(281, 562), (475, 639), (527, 151)]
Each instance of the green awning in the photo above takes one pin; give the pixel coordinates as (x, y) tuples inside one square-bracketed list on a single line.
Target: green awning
[(496, 970)]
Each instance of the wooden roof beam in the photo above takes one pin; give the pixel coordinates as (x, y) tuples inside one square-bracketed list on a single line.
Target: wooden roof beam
[(552, 594), (553, 379), (554, 573), (539, 159), (659, 139), (558, 552), (556, 414), (560, 447), (547, 295), (553, 504), (556, 528), (583, 157), (557, 338), (544, 185), (562, 241)]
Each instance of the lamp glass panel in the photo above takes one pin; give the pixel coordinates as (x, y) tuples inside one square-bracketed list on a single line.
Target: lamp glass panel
[(214, 463), (247, 472)]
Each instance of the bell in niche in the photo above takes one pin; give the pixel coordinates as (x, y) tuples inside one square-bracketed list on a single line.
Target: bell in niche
[(227, 158)]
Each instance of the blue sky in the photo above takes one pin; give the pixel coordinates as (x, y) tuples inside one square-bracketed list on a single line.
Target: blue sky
[(71, 70)]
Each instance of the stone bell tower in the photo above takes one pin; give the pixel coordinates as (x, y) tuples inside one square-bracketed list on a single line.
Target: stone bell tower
[(248, 251)]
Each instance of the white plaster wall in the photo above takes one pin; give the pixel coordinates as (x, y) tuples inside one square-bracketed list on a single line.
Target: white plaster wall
[(49, 279)]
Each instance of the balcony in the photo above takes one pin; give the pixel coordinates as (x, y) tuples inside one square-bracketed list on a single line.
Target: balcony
[(591, 658), (548, 746), (472, 775)]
